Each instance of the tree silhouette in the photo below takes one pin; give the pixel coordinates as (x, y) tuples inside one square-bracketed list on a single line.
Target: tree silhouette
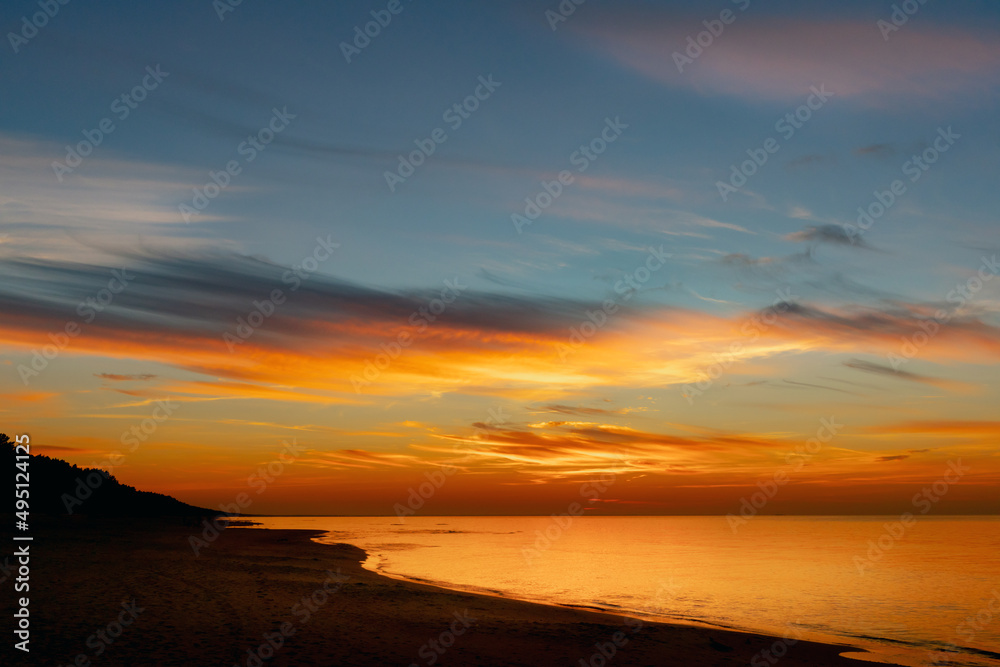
[(59, 488)]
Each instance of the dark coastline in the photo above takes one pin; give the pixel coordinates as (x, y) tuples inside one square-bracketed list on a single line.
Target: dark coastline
[(220, 607)]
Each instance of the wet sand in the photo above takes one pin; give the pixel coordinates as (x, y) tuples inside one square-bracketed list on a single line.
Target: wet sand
[(318, 606)]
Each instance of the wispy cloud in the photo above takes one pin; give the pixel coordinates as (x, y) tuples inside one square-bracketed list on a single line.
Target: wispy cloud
[(834, 234), (178, 306), (876, 150), (638, 215), (115, 377), (580, 410), (939, 427), (768, 60), (570, 448), (109, 201), (888, 371)]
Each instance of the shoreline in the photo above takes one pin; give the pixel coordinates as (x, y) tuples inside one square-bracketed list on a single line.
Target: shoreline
[(857, 652), (644, 615), (255, 589)]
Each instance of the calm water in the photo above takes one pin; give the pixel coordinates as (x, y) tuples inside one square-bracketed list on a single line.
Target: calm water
[(925, 596)]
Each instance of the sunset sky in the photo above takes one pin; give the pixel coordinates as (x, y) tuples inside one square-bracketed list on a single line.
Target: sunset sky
[(656, 318)]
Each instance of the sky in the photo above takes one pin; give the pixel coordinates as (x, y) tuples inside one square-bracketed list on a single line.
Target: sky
[(453, 258)]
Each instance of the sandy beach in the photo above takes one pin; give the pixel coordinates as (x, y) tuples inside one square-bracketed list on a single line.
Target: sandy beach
[(119, 593)]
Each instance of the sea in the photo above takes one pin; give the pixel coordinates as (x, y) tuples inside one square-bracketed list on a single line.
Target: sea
[(920, 594)]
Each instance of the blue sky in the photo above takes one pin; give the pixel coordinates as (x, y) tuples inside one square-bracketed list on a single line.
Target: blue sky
[(783, 233)]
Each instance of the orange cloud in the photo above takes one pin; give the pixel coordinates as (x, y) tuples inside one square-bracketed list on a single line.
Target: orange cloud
[(941, 426), (28, 397), (318, 349)]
